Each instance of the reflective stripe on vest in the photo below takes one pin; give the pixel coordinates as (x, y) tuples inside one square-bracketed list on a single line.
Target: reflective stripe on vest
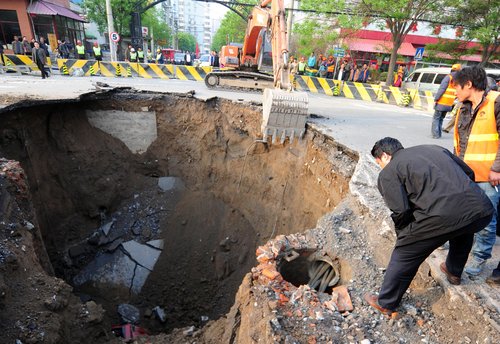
[(80, 49), (449, 95), (97, 51), (482, 145)]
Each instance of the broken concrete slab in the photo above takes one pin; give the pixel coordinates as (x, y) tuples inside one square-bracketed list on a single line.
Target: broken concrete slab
[(128, 313), (156, 243), (117, 270), (144, 255), (114, 245)]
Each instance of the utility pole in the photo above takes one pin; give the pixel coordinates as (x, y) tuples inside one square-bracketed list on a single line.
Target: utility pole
[(152, 40), (290, 19), (111, 28)]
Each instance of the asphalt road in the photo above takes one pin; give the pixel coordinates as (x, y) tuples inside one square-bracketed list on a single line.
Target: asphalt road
[(356, 124)]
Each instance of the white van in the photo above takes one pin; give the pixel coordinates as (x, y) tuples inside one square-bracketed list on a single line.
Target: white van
[(429, 79)]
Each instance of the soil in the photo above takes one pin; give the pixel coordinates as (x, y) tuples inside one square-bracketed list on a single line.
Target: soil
[(239, 194)]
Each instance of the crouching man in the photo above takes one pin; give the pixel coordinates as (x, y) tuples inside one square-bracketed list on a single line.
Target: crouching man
[(433, 199)]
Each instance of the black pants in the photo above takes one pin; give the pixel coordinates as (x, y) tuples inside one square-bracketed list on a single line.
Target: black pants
[(405, 260), (42, 69)]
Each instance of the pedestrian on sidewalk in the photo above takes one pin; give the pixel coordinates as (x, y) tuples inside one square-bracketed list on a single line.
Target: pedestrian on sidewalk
[(433, 199), (443, 101), (96, 50), (477, 143), (26, 46), (40, 58), (17, 47), (80, 50)]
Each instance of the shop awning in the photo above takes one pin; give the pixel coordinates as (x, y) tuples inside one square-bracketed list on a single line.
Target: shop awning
[(377, 46), (48, 9)]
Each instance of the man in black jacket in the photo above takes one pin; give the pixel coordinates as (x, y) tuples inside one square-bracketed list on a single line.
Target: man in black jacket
[(433, 199)]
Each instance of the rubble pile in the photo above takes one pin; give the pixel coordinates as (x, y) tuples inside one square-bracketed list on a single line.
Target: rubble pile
[(301, 302)]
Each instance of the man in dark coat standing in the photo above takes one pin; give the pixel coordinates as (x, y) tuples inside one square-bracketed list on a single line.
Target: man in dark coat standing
[(40, 58), (433, 199)]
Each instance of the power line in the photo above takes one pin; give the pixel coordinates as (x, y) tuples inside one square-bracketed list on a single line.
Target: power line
[(230, 4)]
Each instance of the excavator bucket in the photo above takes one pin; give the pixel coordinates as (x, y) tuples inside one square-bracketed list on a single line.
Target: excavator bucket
[(285, 115)]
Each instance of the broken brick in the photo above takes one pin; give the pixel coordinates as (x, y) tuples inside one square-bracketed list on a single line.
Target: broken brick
[(270, 273)]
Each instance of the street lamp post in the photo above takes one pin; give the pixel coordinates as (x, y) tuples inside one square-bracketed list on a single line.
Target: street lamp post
[(111, 28)]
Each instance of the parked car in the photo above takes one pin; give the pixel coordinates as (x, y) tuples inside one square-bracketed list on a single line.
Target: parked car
[(178, 58), (203, 61), (429, 79)]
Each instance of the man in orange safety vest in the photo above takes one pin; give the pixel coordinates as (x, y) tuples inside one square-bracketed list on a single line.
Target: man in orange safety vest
[(476, 142), (443, 102)]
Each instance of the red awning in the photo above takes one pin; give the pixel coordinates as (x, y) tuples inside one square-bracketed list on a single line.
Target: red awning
[(377, 46), (48, 9), (475, 57)]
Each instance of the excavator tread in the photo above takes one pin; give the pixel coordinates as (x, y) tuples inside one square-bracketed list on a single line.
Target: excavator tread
[(243, 74), (212, 79)]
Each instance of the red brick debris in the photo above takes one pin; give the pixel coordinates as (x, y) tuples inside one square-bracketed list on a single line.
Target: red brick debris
[(13, 171), (286, 294)]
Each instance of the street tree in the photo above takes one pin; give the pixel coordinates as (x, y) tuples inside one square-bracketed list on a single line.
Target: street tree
[(186, 41), (455, 48), (398, 16), (96, 10), (122, 9), (161, 31), (480, 20), (232, 29), (319, 31)]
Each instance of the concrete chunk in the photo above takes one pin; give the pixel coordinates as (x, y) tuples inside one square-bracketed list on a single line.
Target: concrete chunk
[(156, 243), (170, 183), (142, 254)]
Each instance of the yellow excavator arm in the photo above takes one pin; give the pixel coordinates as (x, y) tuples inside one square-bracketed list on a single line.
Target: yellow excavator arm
[(279, 41)]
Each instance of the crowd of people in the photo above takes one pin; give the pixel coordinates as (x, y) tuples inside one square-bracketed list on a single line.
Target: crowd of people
[(345, 70)]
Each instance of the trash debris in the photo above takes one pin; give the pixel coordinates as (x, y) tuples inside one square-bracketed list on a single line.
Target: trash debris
[(29, 226), (106, 228), (189, 331), (128, 313), (160, 313), (77, 72), (204, 318), (128, 331)]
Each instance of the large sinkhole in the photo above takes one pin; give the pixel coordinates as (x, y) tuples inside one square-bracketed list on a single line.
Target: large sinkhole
[(161, 200)]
